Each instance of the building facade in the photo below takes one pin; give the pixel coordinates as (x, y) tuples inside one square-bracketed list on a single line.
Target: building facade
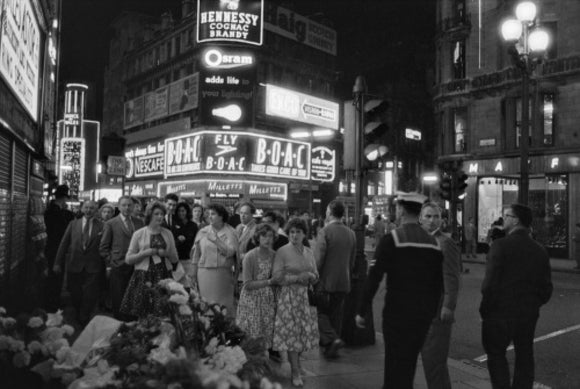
[(222, 106), (29, 43), (478, 101)]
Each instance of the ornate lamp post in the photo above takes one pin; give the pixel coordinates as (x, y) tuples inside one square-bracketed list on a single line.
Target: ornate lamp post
[(529, 42)]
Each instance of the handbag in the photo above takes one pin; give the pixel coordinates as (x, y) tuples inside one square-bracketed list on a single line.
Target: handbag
[(311, 296)]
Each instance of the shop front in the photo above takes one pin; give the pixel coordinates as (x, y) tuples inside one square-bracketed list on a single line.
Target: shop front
[(553, 185)]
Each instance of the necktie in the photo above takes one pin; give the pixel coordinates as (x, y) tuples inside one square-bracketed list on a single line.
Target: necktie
[(128, 224), (85, 237)]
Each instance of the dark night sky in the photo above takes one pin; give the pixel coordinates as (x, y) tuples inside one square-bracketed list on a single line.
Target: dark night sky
[(375, 37)]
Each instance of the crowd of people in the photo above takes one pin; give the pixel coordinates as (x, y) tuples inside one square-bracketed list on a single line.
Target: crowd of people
[(287, 281)]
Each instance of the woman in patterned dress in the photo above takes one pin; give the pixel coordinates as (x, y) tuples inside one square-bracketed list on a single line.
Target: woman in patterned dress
[(152, 252), (296, 323), (257, 306)]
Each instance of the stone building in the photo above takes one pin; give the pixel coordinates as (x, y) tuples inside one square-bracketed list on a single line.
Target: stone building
[(478, 101)]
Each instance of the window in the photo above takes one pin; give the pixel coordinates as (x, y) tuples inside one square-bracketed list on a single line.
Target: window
[(458, 56), (547, 109), (552, 29), (177, 45), (459, 9), (519, 121), (459, 130)]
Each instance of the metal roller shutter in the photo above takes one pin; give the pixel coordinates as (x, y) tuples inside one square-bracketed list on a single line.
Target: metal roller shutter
[(5, 212)]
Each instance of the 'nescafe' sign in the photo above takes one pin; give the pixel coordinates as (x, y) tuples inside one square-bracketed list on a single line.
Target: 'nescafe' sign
[(230, 21)]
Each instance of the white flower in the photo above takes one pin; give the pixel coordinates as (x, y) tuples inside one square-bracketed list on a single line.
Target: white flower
[(52, 333), (34, 347), (21, 359), (69, 330), (35, 322), (62, 354), (8, 322), (16, 345), (54, 319), (4, 342), (2, 311), (211, 347), (185, 310), (178, 299)]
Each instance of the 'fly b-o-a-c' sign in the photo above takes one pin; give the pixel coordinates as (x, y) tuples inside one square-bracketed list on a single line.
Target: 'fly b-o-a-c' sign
[(230, 21), (235, 152)]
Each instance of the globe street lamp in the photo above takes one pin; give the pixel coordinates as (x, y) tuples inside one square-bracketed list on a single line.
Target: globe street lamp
[(529, 42)]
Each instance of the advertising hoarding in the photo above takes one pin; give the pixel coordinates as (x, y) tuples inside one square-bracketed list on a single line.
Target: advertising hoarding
[(230, 21), (299, 28), (141, 188), (133, 112), (20, 52), (301, 107), (145, 160), (227, 82), (156, 104), (184, 94), (235, 152), (72, 164)]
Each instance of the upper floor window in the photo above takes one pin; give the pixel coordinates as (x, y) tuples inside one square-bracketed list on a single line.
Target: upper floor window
[(459, 9), (460, 130), (519, 121), (547, 110), (458, 59)]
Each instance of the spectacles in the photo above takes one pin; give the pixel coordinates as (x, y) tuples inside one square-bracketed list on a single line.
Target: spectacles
[(509, 215)]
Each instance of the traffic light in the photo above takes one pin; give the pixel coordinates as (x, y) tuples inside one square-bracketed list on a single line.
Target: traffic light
[(461, 183), (446, 187), (375, 126)]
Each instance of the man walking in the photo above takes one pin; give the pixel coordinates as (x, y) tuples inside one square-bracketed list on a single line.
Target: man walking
[(517, 282), (56, 218), (335, 257), (171, 200), (412, 260), (470, 239), (80, 244), (114, 245), (436, 347), (245, 232)]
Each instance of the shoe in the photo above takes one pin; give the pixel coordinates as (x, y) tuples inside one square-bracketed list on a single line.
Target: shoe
[(331, 351), (297, 382)]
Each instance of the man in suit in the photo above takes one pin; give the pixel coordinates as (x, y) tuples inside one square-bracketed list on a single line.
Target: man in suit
[(114, 245), (436, 347), (335, 258), (244, 231), (56, 217), (171, 200), (517, 282), (80, 246)]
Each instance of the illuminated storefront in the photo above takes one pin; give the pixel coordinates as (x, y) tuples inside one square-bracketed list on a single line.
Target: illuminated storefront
[(553, 181)]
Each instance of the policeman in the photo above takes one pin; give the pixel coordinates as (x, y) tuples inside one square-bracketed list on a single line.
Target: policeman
[(412, 260)]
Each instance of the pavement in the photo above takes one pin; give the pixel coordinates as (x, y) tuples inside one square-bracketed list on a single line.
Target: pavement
[(363, 368), (558, 265)]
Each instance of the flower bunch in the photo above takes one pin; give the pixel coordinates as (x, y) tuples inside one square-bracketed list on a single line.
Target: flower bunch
[(38, 342)]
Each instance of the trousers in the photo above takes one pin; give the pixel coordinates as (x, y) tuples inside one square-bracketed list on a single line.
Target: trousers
[(434, 355), (330, 308), (496, 335)]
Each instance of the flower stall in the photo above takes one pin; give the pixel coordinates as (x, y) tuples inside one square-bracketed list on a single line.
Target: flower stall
[(190, 344)]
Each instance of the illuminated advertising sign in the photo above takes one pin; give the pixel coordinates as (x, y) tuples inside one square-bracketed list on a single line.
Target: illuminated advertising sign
[(72, 164), (227, 87), (20, 51), (299, 28), (237, 153), (184, 94), (256, 190), (145, 160), (141, 188), (230, 21), (133, 112), (72, 119), (300, 107), (412, 134), (323, 163)]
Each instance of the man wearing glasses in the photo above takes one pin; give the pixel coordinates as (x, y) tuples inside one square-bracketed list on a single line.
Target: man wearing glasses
[(517, 282)]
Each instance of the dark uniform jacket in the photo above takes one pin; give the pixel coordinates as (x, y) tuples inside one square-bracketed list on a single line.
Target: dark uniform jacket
[(517, 277), (412, 260), (56, 220)]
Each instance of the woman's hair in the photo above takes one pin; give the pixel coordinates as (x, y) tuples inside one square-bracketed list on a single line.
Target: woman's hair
[(220, 210), (107, 205), (198, 205), (262, 229), (151, 208), (188, 212), (297, 223)]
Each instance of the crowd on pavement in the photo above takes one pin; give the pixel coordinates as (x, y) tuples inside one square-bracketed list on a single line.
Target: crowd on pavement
[(291, 290)]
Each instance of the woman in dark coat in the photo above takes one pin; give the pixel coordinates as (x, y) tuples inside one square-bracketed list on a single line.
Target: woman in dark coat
[(184, 231)]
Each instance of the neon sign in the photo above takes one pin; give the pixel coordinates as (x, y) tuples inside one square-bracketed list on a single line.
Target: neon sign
[(226, 188), (72, 164), (237, 153), (230, 21)]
